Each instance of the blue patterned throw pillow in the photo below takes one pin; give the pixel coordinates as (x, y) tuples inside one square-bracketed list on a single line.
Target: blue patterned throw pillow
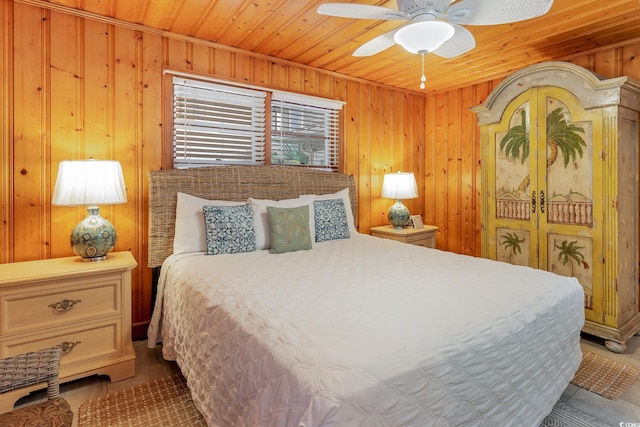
[(229, 229), (331, 220)]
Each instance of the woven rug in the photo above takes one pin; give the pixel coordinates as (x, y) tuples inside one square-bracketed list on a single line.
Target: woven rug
[(163, 402), (564, 415), (167, 402), (604, 376)]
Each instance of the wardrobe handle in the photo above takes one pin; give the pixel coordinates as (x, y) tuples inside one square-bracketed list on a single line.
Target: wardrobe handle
[(64, 305), (533, 202), (541, 201)]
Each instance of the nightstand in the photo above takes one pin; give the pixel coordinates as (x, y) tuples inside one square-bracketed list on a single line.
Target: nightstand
[(83, 307), (415, 236)]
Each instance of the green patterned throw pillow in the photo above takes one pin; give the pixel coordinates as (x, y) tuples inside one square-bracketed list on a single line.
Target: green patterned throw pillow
[(289, 229)]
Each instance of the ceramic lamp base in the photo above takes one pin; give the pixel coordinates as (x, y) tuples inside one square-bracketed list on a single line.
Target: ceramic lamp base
[(94, 237), (398, 215)]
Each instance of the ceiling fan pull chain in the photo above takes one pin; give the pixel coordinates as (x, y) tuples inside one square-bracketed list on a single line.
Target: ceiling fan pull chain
[(423, 78)]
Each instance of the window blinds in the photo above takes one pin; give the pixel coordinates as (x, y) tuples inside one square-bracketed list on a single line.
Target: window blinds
[(216, 124), (305, 131)]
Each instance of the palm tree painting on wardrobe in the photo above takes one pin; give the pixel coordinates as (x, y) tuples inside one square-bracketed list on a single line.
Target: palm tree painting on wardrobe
[(561, 137), (572, 207), (570, 252)]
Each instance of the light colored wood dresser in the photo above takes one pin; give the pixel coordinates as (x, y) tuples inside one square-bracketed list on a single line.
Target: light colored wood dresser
[(415, 236), (84, 307)]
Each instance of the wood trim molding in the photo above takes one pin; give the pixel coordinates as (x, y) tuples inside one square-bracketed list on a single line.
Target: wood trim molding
[(6, 130), (167, 114)]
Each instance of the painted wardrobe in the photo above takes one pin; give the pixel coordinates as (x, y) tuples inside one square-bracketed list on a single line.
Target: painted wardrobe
[(560, 164)]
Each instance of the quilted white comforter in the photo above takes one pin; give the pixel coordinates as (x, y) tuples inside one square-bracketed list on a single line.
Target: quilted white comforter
[(368, 332)]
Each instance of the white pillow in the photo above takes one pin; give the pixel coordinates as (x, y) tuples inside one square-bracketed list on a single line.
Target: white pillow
[(190, 235), (342, 194), (261, 221)]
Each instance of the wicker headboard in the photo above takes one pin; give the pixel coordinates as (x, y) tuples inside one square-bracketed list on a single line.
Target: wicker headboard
[(236, 183)]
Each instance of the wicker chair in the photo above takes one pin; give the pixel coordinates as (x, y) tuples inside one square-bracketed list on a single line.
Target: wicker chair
[(29, 369)]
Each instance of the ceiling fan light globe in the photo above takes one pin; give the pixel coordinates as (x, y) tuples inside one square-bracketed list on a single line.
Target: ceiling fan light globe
[(422, 37)]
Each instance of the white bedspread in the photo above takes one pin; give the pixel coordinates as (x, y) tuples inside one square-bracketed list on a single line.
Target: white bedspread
[(368, 332)]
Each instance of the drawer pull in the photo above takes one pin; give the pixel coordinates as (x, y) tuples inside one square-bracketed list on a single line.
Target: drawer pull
[(64, 305), (67, 346)]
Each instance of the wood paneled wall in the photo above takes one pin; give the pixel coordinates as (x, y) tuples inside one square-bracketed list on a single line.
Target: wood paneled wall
[(74, 88), (77, 88)]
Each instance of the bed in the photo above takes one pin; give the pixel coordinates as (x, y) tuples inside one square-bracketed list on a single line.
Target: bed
[(353, 330)]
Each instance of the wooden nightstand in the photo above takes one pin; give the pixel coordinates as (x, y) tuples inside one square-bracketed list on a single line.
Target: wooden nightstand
[(415, 236), (84, 307)]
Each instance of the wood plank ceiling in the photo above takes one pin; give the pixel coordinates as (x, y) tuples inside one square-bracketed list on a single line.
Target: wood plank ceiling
[(292, 30)]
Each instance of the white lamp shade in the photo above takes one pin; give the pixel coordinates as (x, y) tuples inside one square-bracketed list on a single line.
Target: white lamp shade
[(400, 185), (423, 37), (89, 182)]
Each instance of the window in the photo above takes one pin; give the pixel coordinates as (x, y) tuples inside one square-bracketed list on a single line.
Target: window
[(216, 124), (304, 131)]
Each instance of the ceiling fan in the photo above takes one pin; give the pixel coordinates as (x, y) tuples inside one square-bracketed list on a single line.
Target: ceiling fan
[(436, 26)]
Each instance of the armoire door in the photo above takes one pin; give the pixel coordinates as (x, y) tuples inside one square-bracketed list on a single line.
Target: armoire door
[(545, 155)]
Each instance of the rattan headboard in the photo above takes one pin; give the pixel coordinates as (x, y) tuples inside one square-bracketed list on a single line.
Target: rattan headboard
[(235, 183)]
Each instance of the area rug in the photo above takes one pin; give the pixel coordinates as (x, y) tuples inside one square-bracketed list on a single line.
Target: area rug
[(167, 402), (163, 402), (604, 376), (564, 415)]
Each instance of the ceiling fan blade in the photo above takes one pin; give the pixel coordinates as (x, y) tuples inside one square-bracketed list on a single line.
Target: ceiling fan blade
[(361, 11), (462, 41), (376, 44), (492, 12)]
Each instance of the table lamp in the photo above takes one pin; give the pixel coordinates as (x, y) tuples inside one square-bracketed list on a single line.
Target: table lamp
[(398, 186), (90, 183)]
